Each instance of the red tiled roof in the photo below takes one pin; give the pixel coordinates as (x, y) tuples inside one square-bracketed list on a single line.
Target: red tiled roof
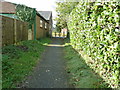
[(7, 7)]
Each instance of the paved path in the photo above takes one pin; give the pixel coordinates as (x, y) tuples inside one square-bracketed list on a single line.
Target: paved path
[(50, 72)]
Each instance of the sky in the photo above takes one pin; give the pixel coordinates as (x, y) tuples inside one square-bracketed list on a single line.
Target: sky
[(40, 5)]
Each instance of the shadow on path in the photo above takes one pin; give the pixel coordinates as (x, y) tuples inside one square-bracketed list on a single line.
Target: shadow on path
[(50, 71)]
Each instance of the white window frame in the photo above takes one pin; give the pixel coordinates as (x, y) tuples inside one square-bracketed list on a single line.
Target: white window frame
[(41, 23), (45, 25)]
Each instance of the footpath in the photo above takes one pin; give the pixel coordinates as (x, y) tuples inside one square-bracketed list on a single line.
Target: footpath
[(50, 71)]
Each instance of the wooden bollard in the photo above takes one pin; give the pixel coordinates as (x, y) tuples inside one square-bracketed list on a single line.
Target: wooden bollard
[(63, 34), (59, 34), (55, 34)]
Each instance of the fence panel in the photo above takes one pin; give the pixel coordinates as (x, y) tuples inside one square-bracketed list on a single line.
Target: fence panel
[(7, 31), (25, 31), (18, 31), (13, 31)]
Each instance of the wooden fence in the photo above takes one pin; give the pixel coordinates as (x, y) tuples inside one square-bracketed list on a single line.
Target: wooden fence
[(13, 31)]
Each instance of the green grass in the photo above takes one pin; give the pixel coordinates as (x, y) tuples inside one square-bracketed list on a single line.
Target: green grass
[(80, 75), (19, 60)]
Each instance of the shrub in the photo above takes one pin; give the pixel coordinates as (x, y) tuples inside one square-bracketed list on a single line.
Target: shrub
[(94, 29)]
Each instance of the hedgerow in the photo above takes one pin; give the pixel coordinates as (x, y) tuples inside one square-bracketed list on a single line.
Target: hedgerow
[(94, 29)]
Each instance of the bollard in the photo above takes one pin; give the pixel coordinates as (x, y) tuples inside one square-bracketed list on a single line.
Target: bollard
[(59, 34), (63, 34), (55, 34)]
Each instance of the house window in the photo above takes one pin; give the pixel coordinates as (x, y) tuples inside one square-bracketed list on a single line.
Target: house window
[(45, 25), (41, 23)]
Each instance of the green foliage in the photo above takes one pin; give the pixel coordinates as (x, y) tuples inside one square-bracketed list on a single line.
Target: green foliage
[(11, 51), (58, 28), (19, 60), (63, 10), (25, 13), (94, 29)]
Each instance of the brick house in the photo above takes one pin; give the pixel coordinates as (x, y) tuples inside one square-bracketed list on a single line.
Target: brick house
[(7, 9), (48, 16), (43, 24)]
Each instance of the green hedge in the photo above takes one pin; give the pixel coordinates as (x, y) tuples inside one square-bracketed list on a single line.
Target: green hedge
[(94, 29)]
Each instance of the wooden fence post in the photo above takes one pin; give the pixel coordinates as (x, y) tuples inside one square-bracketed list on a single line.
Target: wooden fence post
[(55, 34), (0, 32), (15, 36), (63, 34), (59, 34)]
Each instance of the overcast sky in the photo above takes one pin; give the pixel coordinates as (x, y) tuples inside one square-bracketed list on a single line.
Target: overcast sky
[(40, 5)]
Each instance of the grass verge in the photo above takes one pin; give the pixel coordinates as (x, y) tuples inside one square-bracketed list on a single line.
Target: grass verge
[(81, 75), (19, 60)]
